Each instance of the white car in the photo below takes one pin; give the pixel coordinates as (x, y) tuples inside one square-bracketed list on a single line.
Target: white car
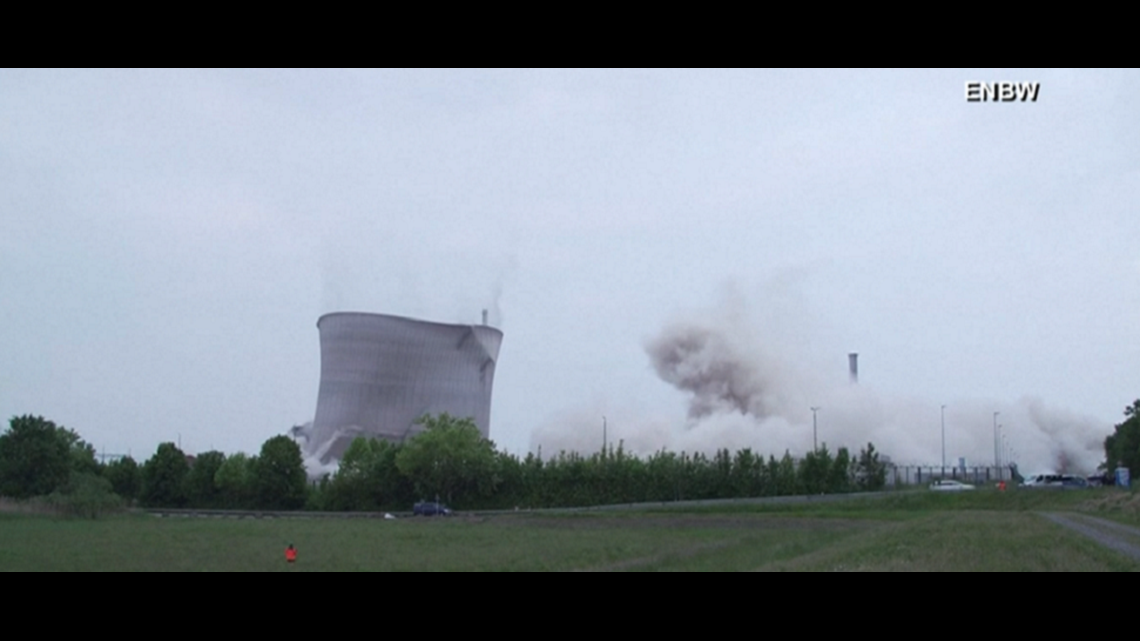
[(946, 485)]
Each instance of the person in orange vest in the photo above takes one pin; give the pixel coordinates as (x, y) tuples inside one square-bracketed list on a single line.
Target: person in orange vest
[(290, 554)]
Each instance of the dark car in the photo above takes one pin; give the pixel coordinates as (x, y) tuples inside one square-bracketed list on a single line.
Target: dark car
[(1101, 480), (1074, 481), (427, 508), (1056, 480)]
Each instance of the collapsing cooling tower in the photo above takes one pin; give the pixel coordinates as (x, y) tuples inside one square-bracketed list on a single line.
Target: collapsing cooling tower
[(380, 373)]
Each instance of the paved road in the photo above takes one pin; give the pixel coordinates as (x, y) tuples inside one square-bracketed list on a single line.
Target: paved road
[(1112, 535)]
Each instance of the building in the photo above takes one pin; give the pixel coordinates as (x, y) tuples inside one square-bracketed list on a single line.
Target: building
[(379, 373)]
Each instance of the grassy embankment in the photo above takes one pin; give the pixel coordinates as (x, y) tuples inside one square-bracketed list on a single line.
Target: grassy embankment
[(984, 530)]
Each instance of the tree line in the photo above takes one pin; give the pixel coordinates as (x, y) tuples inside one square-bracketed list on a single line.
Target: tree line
[(52, 464), (449, 461), (1122, 447), (452, 461)]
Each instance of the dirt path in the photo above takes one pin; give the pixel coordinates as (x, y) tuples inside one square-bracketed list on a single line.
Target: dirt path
[(1112, 535)]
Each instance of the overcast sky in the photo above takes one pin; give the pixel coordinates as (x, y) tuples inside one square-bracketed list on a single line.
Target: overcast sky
[(168, 240)]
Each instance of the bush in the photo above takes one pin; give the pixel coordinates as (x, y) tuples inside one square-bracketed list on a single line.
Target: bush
[(85, 495)]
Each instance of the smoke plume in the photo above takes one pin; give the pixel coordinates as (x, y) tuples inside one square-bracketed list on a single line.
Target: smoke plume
[(750, 381), (697, 360)]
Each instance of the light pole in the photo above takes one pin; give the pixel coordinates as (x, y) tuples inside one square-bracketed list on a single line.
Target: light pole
[(997, 456), (604, 436), (1006, 451), (1001, 453), (943, 439), (815, 429)]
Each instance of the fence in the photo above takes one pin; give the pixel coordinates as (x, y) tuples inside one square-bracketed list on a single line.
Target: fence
[(924, 474)]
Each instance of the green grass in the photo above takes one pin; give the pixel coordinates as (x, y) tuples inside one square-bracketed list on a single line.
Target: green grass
[(1121, 506), (507, 543), (911, 504), (919, 531), (964, 541)]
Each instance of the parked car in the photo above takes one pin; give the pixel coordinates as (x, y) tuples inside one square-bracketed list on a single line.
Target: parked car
[(1042, 480), (1056, 480), (428, 508), (946, 485), (1101, 480)]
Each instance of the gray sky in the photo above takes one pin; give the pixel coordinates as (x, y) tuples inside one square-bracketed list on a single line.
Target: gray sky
[(169, 238)]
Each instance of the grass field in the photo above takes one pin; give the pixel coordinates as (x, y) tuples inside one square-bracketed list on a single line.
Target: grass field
[(920, 531)]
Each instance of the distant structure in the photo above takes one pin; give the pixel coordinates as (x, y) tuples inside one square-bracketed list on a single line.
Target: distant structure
[(380, 373), (853, 364)]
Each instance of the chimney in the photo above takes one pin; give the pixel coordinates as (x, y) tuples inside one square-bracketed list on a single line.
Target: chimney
[(853, 361), (484, 317)]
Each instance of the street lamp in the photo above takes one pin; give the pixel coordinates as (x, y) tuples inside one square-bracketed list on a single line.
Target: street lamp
[(1006, 451), (815, 429), (997, 456), (943, 439), (1001, 452)]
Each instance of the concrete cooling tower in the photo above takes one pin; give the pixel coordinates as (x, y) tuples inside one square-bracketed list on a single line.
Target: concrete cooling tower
[(380, 373)]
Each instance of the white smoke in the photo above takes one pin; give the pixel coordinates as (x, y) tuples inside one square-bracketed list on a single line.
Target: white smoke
[(750, 382), (313, 453)]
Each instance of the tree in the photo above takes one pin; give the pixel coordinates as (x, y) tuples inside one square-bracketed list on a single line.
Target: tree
[(35, 457), (200, 489), (450, 458), (125, 478), (870, 473), (815, 471), (1133, 410), (1122, 447), (840, 477), (785, 480), (234, 481), (368, 478), (164, 477), (81, 455), (280, 480)]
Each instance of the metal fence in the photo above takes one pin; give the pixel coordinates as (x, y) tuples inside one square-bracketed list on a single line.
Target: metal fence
[(924, 474)]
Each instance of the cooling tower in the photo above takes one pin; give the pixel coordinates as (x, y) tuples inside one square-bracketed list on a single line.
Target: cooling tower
[(380, 373)]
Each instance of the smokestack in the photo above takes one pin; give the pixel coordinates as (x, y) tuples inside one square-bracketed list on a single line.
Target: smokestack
[(853, 361), (484, 317)]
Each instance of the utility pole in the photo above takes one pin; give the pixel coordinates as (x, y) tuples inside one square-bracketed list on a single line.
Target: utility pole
[(943, 439), (815, 429), (997, 456), (1001, 445), (605, 436), (1005, 455)]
